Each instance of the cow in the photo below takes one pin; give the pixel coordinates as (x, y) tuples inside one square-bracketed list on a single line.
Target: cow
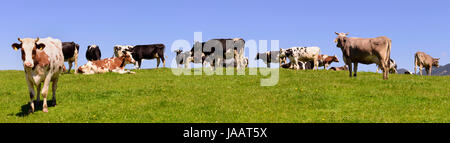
[(183, 58), (303, 55), (271, 57), (70, 51), (325, 60), (114, 64), (392, 67), (233, 63), (207, 51), (118, 49), (307, 65), (93, 53), (366, 51), (343, 68), (148, 52), (43, 61), (424, 60)]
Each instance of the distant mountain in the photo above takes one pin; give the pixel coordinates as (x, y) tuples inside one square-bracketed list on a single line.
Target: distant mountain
[(441, 71)]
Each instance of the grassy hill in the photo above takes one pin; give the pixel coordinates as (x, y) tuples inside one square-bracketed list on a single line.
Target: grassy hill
[(156, 95)]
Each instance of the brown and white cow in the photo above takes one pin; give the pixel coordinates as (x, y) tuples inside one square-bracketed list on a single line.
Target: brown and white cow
[(325, 60), (343, 68), (43, 61), (424, 60), (114, 64), (365, 51)]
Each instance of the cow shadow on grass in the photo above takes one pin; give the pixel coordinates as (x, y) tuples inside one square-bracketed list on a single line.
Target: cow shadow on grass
[(37, 107)]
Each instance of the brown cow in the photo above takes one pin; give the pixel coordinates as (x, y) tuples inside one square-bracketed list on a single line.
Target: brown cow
[(325, 60), (423, 60), (365, 51)]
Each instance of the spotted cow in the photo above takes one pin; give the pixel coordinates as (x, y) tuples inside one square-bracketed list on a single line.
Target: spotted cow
[(43, 61), (303, 55), (114, 64)]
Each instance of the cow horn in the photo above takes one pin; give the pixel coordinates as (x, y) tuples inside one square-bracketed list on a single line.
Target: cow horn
[(37, 39), (19, 39)]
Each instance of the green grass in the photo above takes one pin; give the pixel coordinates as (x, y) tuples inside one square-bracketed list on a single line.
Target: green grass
[(156, 95)]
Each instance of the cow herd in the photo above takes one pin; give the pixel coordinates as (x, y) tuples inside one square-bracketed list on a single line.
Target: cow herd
[(43, 59)]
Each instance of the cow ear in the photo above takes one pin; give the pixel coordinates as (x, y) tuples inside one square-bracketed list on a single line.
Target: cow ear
[(16, 46), (336, 33), (40, 46)]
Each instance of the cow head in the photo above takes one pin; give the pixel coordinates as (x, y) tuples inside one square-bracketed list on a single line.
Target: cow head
[(127, 56), (335, 58), (436, 62), (28, 47), (178, 52), (341, 39), (284, 53)]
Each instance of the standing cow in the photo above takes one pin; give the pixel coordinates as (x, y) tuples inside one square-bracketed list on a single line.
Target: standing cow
[(70, 51), (424, 60), (365, 51), (303, 55), (93, 53), (271, 57), (218, 50), (43, 61), (152, 51)]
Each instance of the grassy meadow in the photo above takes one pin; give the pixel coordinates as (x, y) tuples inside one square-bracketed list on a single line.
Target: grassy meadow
[(157, 95)]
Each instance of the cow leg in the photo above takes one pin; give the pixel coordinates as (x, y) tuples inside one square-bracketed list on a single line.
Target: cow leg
[(350, 69), (385, 69), (32, 93), (38, 89), (355, 68), (303, 65), (45, 92), (76, 64), (316, 65), (429, 70), (420, 69), (268, 64), (54, 87), (157, 62), (70, 66)]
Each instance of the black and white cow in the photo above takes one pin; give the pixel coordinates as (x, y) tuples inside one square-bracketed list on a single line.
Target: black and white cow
[(93, 53), (70, 51), (271, 57), (148, 52), (219, 49)]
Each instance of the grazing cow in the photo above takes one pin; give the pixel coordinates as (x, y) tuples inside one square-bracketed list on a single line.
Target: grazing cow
[(93, 53), (424, 60), (114, 64), (407, 72), (43, 61), (325, 60), (208, 51), (70, 51), (365, 51), (303, 55), (148, 52), (271, 57), (392, 67), (343, 68)]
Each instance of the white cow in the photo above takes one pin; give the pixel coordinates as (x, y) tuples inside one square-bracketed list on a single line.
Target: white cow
[(43, 61), (303, 55)]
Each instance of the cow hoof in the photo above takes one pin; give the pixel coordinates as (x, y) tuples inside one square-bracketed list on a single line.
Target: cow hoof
[(45, 110), (30, 111)]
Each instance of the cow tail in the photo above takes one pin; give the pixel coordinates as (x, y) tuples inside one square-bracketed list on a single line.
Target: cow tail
[(388, 53)]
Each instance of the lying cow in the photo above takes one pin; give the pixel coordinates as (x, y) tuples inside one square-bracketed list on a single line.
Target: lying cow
[(70, 51), (365, 51), (325, 60), (216, 49), (303, 55), (392, 67), (114, 64), (424, 60), (43, 61), (303, 66), (93, 53), (148, 52), (343, 68), (271, 57)]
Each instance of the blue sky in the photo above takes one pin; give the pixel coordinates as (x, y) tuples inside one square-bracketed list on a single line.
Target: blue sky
[(412, 25)]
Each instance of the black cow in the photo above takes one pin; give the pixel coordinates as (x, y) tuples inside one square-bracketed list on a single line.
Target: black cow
[(70, 51), (209, 48), (93, 53), (148, 52)]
